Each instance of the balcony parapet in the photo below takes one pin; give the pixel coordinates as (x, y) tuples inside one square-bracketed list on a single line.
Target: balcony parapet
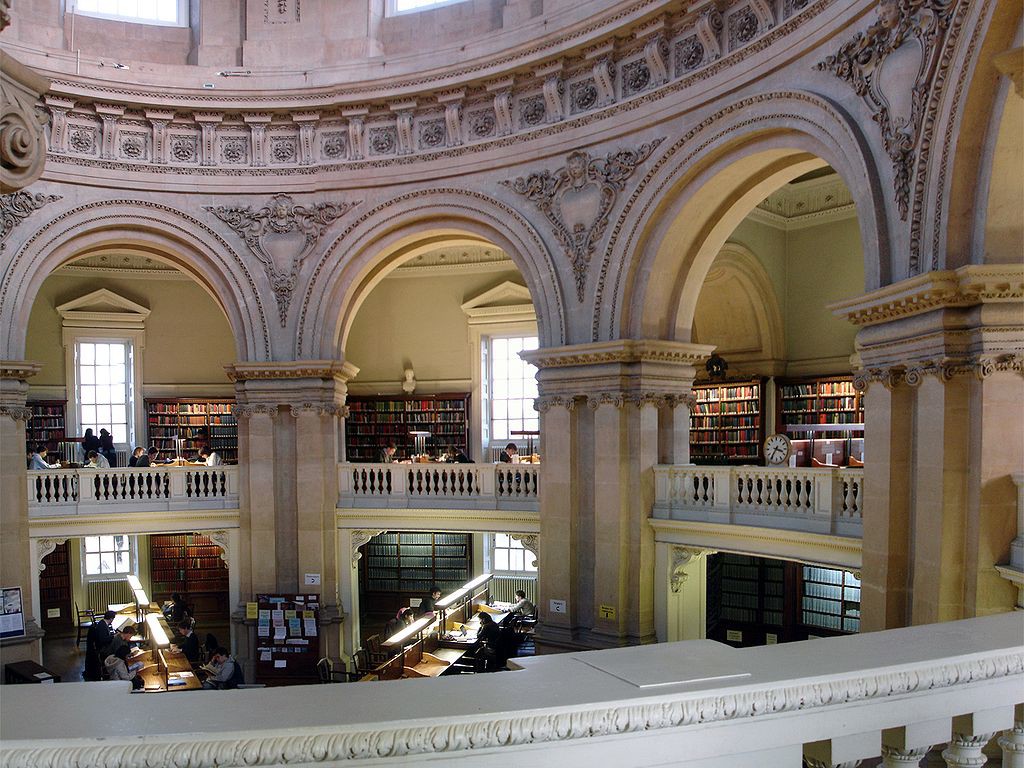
[(439, 486), (72, 492), (820, 500)]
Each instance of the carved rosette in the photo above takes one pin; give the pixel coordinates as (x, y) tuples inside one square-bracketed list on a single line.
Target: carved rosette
[(268, 232), (245, 411), (907, 36), (16, 413), (577, 199), (320, 409), (530, 543), (360, 539), (222, 540), (16, 207), (46, 547)]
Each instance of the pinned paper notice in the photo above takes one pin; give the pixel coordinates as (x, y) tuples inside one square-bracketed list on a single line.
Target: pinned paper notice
[(263, 630), (252, 610), (264, 655), (280, 663), (309, 627), (279, 633)]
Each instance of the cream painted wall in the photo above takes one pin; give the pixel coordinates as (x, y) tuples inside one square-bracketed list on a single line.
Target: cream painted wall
[(418, 320), (188, 340)]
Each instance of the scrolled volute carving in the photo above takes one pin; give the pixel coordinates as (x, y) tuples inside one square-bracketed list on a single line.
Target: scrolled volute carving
[(530, 543), (16, 413), (360, 539), (577, 198), (17, 206), (22, 134), (223, 541), (897, 107), (266, 232), (246, 410), (320, 409), (46, 547), (616, 399), (681, 558)]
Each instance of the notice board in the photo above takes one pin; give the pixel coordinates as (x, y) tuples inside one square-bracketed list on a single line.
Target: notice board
[(287, 638)]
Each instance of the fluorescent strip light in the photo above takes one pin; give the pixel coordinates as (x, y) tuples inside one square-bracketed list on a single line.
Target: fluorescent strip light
[(416, 627), (469, 586), (133, 582), (141, 599), (156, 633)]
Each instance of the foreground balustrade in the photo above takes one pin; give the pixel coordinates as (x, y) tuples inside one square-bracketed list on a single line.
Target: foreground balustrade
[(453, 486), (946, 688), (56, 492), (815, 500)]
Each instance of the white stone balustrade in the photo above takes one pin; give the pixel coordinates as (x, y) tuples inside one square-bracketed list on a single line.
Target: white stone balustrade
[(694, 704), (814, 500), (442, 486), (68, 492)]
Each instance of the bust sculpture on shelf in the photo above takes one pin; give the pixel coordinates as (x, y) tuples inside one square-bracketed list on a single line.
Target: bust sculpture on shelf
[(409, 385)]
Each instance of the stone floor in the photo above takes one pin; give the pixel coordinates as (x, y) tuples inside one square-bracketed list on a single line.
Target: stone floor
[(62, 656)]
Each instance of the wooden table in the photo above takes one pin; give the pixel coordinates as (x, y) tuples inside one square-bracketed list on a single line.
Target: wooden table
[(178, 668), (28, 672)]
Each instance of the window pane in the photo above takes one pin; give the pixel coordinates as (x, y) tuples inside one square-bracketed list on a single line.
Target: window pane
[(103, 414), (500, 410), (121, 542), (88, 394), (121, 562), (106, 543), (92, 543), (118, 374), (500, 349), (87, 375), (118, 415), (515, 560), (102, 354), (102, 375), (117, 354), (501, 539), (106, 563), (92, 565), (515, 409), (501, 559), (86, 354), (118, 393)]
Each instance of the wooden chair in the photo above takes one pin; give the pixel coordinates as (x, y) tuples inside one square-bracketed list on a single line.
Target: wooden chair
[(328, 674), (85, 619), (376, 655)]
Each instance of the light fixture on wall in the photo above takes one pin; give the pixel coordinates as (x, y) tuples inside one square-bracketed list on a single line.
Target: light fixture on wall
[(716, 367)]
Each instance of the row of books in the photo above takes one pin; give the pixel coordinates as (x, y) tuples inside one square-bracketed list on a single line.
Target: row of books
[(405, 405)]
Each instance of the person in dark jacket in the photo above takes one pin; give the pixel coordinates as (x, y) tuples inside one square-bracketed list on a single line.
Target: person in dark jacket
[(107, 447), (90, 442), (508, 453), (137, 456), (189, 643), (427, 603), (96, 643), (488, 638), (395, 625)]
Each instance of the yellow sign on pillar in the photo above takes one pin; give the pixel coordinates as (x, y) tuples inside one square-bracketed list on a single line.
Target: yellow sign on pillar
[(251, 610), (607, 611)]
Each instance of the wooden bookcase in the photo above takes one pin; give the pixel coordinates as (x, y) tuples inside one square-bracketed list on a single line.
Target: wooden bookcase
[(47, 425), (190, 564), (170, 420), (375, 421), (55, 591), (755, 600), (406, 564), (727, 423), (820, 403)]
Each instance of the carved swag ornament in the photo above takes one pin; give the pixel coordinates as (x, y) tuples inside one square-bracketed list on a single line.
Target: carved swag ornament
[(892, 66), (577, 198), (281, 235), (18, 206)]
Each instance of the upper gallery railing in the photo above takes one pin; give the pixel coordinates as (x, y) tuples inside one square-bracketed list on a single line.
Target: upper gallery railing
[(475, 486), (824, 500), (56, 492)]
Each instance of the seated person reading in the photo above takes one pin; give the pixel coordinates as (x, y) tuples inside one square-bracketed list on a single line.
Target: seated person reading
[(488, 638), (427, 603), (96, 460), (405, 617), (226, 673), (119, 669), (508, 453), (175, 610), (523, 607), (139, 458), (123, 637), (38, 459), (209, 458), (387, 456), (188, 643)]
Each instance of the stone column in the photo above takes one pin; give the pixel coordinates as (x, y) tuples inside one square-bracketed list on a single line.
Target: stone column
[(603, 418), (940, 361), (288, 487), (16, 562)]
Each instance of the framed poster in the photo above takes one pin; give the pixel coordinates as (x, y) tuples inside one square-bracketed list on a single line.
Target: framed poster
[(12, 617)]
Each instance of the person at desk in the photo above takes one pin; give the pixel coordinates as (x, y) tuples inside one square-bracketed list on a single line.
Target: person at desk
[(189, 643), (523, 607), (226, 673), (210, 458), (175, 609), (138, 455), (427, 603), (456, 456), (38, 459), (96, 641), (96, 460), (508, 453), (395, 625), (123, 637), (387, 456), (118, 667), (489, 638)]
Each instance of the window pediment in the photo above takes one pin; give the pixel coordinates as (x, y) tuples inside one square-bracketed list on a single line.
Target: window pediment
[(507, 302), (103, 309)]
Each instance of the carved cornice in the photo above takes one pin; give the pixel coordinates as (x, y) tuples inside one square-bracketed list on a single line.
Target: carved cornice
[(577, 199), (299, 369), (493, 731), (621, 351), (964, 287), (16, 207), (944, 369), (360, 539), (276, 221), (19, 369), (861, 62)]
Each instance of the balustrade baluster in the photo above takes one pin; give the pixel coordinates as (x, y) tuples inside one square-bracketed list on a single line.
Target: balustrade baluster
[(223, 483), (206, 483), (386, 477), (188, 484)]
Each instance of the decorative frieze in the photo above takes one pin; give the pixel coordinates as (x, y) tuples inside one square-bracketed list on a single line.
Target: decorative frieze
[(16, 207), (16, 413), (577, 198), (299, 369), (322, 408)]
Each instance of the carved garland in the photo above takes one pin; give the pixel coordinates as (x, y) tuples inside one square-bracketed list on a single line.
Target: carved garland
[(578, 197), (16, 207), (271, 226), (862, 62), (331, 746)]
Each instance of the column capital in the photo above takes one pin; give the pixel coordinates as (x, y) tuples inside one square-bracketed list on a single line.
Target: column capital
[(291, 370), (19, 369)]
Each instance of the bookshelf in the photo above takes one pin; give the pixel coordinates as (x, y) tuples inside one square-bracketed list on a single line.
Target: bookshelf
[(170, 420), (818, 404), (726, 424), (374, 421), (55, 590), (190, 564), (408, 564), (830, 599), (47, 425)]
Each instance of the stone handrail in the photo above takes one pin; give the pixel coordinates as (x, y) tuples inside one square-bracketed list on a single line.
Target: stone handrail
[(449, 486), (895, 693), (815, 500), (60, 492)]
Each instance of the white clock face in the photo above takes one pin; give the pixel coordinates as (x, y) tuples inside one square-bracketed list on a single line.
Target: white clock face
[(776, 449)]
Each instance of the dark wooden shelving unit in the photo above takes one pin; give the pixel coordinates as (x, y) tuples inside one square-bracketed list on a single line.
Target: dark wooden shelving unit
[(375, 421), (170, 420), (727, 424)]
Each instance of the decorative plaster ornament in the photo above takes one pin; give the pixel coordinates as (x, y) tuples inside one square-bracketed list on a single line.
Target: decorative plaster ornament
[(278, 228), (892, 66), (577, 198), (17, 206)]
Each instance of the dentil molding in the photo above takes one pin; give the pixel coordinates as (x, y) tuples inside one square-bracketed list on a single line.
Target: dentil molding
[(298, 369)]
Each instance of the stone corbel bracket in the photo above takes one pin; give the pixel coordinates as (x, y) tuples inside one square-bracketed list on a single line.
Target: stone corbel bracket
[(22, 124), (530, 543), (46, 547), (681, 558), (359, 540), (223, 541)]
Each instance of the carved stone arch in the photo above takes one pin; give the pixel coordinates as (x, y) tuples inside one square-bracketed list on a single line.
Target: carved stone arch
[(382, 237), (140, 227), (686, 207), (738, 301)]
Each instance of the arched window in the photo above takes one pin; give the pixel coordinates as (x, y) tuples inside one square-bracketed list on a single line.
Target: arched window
[(164, 12)]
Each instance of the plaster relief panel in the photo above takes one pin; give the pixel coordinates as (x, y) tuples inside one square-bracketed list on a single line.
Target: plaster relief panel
[(688, 54), (583, 96), (284, 150), (234, 150), (636, 76), (481, 123), (134, 145), (334, 145), (83, 139), (577, 198), (382, 140), (184, 148), (432, 133), (281, 12), (532, 111)]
